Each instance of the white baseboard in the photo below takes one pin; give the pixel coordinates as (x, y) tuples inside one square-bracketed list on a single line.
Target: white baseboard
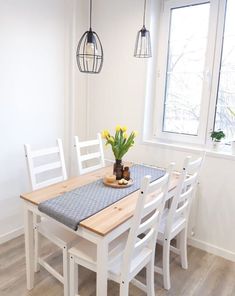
[(212, 249), (10, 235)]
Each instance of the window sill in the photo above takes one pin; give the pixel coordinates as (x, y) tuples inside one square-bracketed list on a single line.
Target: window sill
[(224, 151)]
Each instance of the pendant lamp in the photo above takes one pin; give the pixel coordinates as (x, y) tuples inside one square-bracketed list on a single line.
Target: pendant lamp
[(90, 51), (143, 41)]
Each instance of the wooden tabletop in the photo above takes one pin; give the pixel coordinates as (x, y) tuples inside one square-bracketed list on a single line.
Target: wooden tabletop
[(107, 219)]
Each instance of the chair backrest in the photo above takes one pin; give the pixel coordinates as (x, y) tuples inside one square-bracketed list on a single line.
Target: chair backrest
[(146, 219), (181, 201), (82, 158), (192, 167), (36, 170)]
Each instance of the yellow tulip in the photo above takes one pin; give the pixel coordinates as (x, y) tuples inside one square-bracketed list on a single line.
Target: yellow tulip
[(124, 128), (105, 134), (125, 136), (118, 128), (111, 139), (135, 133)]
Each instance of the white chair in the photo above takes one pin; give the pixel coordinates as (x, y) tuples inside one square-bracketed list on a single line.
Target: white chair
[(49, 229), (174, 220), (128, 254), (82, 158)]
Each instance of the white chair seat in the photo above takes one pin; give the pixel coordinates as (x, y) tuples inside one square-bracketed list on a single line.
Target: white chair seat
[(177, 224), (87, 253), (140, 259), (57, 234), (86, 250)]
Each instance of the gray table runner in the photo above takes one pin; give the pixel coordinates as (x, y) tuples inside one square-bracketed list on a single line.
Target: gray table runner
[(79, 204)]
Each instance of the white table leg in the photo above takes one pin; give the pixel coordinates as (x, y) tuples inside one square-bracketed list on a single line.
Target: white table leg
[(29, 247), (102, 268), (37, 242)]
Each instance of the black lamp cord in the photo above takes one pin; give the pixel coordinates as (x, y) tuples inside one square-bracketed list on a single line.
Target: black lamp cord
[(90, 13), (144, 13)]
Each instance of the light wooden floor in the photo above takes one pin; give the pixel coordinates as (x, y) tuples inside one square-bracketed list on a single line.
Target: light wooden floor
[(207, 275)]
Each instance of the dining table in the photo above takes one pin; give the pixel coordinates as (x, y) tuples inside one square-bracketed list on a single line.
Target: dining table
[(100, 228)]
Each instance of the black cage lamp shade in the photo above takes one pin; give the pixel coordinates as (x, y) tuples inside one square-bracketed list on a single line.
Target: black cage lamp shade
[(143, 41), (90, 51)]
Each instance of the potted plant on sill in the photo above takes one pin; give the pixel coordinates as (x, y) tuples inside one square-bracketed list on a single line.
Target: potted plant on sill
[(120, 144), (216, 137)]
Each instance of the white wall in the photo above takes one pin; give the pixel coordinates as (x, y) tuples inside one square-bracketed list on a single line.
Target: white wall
[(37, 79), (117, 96), (78, 113), (32, 93)]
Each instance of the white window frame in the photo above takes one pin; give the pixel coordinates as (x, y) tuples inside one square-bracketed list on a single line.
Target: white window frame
[(205, 123), (217, 62)]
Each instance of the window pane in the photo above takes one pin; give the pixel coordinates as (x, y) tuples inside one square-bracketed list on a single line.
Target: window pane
[(186, 60), (225, 110)]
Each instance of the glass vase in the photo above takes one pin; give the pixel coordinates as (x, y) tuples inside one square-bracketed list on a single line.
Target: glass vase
[(118, 169)]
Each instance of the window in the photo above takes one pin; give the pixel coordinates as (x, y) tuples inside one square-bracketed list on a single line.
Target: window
[(186, 60), (225, 107), (196, 71)]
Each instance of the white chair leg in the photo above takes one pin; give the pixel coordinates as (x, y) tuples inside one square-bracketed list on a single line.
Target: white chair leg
[(124, 288), (183, 249), (73, 282), (150, 278), (166, 264), (66, 271), (37, 242), (177, 241)]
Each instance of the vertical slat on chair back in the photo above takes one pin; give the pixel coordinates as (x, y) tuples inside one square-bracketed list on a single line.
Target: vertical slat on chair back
[(146, 218), (180, 205), (34, 170), (82, 158), (185, 197)]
